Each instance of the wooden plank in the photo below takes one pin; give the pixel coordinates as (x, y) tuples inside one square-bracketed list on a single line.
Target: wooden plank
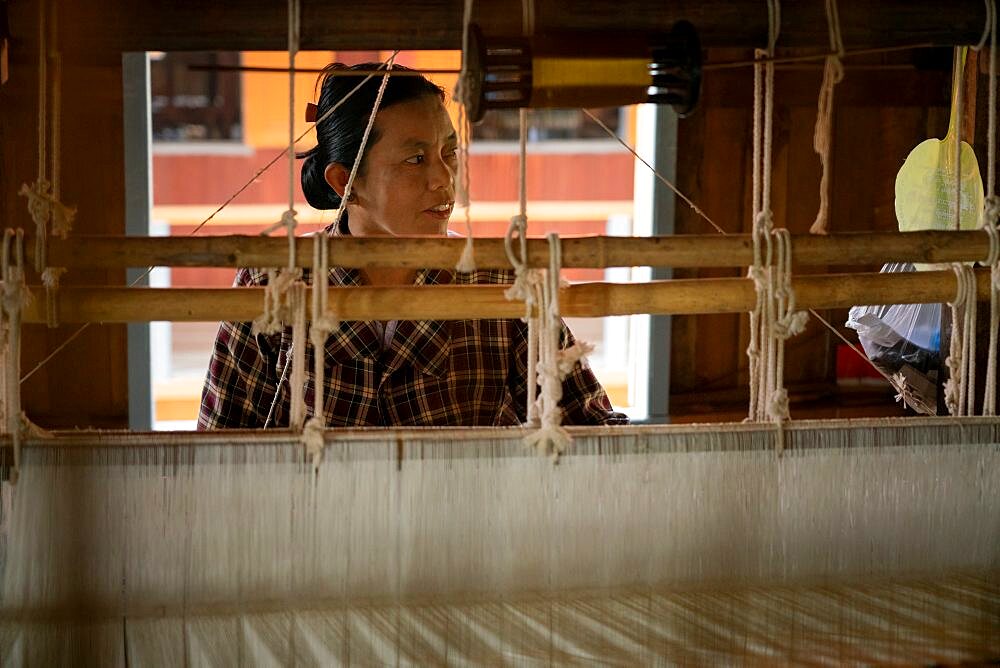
[(451, 302), (593, 251), (228, 25)]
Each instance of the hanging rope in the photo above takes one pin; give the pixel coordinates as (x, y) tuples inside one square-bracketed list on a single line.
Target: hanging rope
[(527, 281), (553, 364), (762, 346), (833, 73), (323, 322), (961, 363), (467, 261), (278, 306), (775, 317), (991, 212), (43, 196)]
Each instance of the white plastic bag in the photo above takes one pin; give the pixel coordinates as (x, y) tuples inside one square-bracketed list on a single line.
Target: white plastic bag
[(904, 341)]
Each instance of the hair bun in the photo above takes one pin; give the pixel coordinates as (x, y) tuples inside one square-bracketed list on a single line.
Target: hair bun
[(318, 192)]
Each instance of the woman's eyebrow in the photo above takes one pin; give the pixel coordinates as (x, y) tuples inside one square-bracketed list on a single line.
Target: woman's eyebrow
[(420, 143)]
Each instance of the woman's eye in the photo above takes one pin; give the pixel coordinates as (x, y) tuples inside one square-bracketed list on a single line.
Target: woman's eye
[(415, 159)]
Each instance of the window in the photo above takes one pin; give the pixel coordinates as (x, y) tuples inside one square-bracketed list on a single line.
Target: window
[(191, 101)]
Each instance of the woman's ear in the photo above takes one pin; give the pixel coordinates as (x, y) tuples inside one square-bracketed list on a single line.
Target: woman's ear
[(337, 175)]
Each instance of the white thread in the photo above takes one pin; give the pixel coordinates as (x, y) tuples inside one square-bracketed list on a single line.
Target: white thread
[(527, 282), (42, 186), (551, 438), (774, 317), (279, 304), (62, 215), (297, 299), (467, 261), (322, 322), (288, 217), (960, 386), (833, 73)]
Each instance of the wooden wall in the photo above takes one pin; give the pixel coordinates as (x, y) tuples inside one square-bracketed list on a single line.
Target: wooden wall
[(87, 383)]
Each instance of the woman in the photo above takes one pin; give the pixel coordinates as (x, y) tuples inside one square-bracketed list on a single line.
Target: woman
[(398, 373)]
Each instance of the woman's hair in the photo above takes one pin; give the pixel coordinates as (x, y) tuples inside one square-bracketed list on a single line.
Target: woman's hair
[(339, 135)]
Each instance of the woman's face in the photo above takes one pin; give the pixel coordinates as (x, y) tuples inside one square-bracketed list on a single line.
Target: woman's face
[(408, 186)]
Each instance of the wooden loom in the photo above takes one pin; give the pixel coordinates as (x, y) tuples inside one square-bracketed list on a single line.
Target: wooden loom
[(866, 542)]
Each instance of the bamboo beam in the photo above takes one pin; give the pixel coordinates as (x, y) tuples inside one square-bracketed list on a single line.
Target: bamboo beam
[(675, 297), (231, 25), (577, 252)]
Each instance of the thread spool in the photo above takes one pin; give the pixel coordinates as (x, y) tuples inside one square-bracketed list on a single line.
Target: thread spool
[(554, 71)]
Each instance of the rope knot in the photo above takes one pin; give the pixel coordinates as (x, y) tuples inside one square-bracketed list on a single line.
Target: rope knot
[(764, 221), (320, 330), (904, 393), (551, 439), (570, 357), (277, 303), (312, 439), (50, 277), (39, 196), (791, 325), (777, 405)]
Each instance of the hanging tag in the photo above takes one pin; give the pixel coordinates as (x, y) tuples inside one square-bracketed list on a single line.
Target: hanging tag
[(311, 111)]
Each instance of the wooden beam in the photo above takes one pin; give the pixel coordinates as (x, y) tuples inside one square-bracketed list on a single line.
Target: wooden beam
[(577, 252), (450, 302), (231, 25)]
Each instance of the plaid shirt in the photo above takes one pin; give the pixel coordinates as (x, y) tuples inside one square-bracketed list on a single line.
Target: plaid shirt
[(431, 373)]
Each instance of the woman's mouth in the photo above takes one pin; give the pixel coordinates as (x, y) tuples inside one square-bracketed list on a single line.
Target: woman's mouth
[(442, 211)]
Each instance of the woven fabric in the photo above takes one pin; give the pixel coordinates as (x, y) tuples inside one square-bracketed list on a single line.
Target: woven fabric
[(431, 373)]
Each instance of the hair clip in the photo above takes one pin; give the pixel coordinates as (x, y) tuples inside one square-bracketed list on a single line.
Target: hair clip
[(311, 110)]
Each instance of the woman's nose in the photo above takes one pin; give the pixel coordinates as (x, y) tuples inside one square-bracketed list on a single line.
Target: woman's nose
[(441, 175)]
